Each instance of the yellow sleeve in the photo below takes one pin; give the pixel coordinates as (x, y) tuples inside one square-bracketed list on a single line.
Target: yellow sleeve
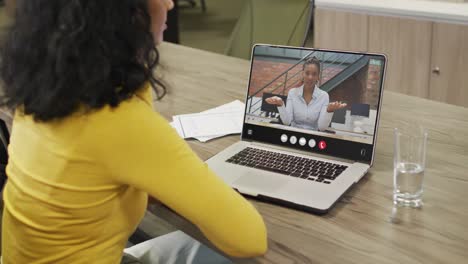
[(141, 149)]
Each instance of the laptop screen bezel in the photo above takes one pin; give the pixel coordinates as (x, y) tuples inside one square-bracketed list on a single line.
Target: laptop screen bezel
[(340, 148)]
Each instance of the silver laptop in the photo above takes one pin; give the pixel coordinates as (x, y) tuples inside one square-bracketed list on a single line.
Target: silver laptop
[(310, 126)]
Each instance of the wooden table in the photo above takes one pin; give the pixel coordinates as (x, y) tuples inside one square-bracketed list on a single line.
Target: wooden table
[(360, 228)]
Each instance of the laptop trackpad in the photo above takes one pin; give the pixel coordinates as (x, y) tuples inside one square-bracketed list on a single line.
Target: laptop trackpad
[(264, 184)]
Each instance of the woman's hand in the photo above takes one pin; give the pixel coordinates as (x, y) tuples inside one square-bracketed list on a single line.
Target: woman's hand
[(275, 100), (332, 107)]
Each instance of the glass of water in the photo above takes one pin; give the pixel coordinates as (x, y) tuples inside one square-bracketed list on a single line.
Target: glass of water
[(409, 162)]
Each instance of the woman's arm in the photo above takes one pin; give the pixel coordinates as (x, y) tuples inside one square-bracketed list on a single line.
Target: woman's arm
[(142, 150), (286, 112)]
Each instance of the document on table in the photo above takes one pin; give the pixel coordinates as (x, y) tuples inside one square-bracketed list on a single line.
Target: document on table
[(217, 122)]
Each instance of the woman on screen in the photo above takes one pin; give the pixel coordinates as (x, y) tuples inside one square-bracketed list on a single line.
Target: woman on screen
[(307, 106)]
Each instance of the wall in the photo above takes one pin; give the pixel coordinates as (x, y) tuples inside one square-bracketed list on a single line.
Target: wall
[(265, 71)]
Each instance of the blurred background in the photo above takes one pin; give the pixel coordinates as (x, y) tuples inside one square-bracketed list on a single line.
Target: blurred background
[(425, 40)]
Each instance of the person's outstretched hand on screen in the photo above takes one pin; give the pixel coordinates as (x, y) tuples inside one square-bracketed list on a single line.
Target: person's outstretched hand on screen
[(332, 107), (275, 100)]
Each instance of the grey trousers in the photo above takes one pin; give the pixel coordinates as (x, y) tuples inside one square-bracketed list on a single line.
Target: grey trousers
[(173, 248)]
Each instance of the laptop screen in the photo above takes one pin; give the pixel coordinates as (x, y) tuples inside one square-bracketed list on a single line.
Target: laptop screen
[(317, 100)]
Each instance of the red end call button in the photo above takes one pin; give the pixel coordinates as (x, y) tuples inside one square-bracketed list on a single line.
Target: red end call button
[(322, 145)]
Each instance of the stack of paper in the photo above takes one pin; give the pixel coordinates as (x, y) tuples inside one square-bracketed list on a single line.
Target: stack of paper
[(217, 122)]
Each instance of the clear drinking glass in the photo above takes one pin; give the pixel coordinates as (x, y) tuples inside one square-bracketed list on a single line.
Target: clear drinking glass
[(409, 163)]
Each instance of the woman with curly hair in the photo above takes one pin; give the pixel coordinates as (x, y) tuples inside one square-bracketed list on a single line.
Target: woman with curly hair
[(87, 149)]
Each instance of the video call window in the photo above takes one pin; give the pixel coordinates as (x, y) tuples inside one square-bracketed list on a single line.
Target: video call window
[(331, 94)]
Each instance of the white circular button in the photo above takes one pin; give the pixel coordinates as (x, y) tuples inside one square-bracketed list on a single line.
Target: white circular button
[(312, 143), (302, 141), (293, 140), (284, 138)]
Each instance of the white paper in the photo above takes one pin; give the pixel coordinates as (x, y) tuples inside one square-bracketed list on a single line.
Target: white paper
[(176, 125), (210, 124), (216, 122)]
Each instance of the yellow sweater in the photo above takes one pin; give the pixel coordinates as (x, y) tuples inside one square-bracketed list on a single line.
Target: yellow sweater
[(77, 188)]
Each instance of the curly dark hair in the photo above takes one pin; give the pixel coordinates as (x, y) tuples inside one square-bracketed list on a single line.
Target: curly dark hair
[(60, 54)]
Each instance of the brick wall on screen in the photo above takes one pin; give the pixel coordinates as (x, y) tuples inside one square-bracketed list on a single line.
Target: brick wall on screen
[(373, 85), (264, 72)]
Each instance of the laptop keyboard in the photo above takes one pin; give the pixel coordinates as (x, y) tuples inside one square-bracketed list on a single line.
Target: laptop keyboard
[(304, 168)]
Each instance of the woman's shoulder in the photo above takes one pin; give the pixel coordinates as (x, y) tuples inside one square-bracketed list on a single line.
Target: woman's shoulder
[(133, 111), (294, 91), (133, 116), (320, 93), (132, 121)]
